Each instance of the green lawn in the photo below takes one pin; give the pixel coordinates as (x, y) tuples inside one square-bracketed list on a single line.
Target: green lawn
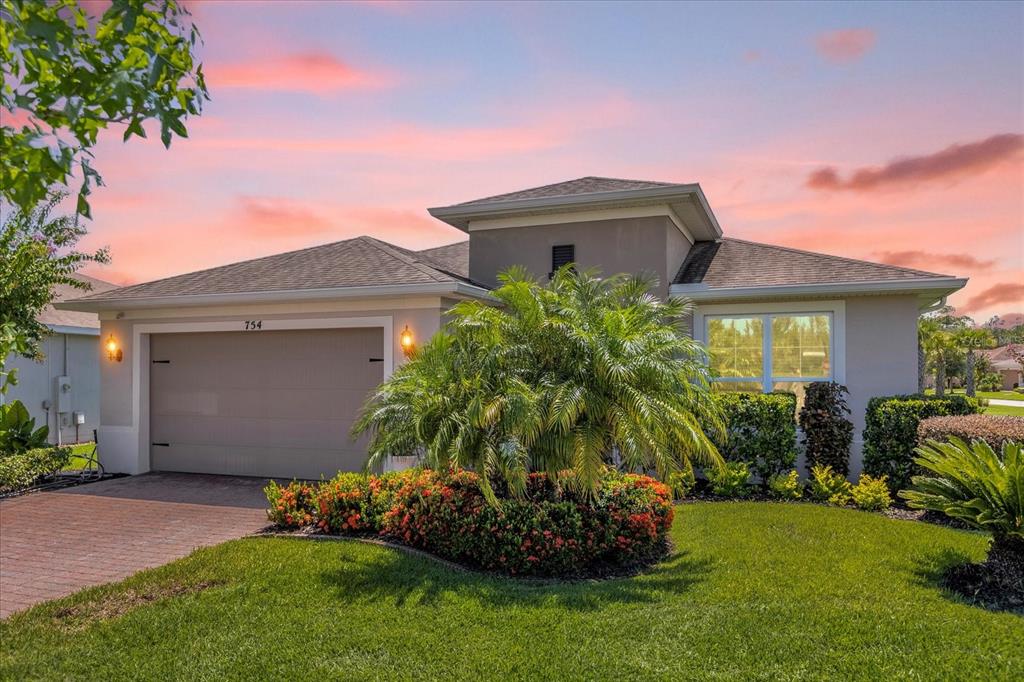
[(76, 461), (1005, 409), (753, 591), (998, 395)]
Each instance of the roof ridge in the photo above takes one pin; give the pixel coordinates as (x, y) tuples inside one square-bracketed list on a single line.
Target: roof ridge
[(129, 287), (842, 258), (396, 252)]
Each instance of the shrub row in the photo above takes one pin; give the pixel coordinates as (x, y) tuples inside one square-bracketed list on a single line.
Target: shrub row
[(825, 485), (760, 430), (890, 431), (18, 471), (993, 429), (550, 530)]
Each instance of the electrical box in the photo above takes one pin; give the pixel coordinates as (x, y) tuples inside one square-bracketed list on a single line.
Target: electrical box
[(79, 418), (63, 394)]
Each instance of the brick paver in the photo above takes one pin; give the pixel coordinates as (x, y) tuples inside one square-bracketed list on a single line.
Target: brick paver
[(56, 543)]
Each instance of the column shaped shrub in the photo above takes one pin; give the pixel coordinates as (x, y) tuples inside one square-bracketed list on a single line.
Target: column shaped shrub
[(890, 431), (827, 432), (760, 430)]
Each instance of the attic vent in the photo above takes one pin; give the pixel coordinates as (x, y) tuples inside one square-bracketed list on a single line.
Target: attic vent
[(563, 254)]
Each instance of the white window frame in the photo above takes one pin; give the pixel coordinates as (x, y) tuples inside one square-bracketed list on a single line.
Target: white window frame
[(836, 310)]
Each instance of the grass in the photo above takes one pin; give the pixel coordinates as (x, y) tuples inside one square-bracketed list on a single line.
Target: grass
[(998, 395), (77, 460), (753, 591), (1011, 410)]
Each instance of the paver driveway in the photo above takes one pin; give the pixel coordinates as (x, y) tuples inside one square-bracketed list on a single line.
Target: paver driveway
[(56, 543)]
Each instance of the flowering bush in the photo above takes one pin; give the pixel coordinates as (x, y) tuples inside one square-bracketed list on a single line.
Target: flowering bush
[(291, 506), (550, 530)]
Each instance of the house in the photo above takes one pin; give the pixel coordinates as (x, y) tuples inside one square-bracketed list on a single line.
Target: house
[(63, 389), (1009, 368), (259, 367)]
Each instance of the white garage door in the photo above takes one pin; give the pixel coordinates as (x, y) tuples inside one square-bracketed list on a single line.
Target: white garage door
[(265, 403)]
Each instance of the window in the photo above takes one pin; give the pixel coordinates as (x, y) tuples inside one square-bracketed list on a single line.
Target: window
[(562, 254), (770, 351)]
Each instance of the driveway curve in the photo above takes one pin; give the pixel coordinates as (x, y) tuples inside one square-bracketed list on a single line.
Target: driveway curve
[(55, 543)]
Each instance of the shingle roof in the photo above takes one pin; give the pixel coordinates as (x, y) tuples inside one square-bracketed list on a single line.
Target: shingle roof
[(73, 318), (453, 257), (739, 263), (362, 261), (587, 185)]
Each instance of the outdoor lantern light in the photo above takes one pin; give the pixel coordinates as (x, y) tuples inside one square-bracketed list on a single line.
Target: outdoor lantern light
[(114, 354), (407, 341)]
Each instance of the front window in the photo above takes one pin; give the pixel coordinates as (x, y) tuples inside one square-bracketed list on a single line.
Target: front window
[(770, 352)]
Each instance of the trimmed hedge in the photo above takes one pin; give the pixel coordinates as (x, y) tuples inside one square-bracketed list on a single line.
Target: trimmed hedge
[(890, 431), (827, 432), (993, 429), (25, 468), (761, 430), (550, 531)]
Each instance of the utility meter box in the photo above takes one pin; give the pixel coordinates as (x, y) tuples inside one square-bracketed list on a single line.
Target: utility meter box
[(79, 418), (63, 394)]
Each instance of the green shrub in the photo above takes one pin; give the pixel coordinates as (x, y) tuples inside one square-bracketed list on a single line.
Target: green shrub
[(785, 486), (729, 481), (828, 486), (682, 482), (760, 430), (973, 484), (890, 433), (827, 432), (993, 429), (21, 470), (18, 432), (871, 494), (552, 528)]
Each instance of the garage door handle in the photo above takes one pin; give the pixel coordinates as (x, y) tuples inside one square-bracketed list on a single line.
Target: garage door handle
[(376, 359), (161, 362), (163, 445)]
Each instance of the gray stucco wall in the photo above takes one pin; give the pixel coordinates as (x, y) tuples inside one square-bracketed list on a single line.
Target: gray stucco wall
[(881, 355), (632, 245), (37, 382)]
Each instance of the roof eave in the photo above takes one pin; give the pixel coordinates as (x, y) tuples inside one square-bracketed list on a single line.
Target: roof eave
[(459, 216), (455, 289), (928, 290)]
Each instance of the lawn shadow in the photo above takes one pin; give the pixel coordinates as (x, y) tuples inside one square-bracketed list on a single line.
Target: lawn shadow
[(955, 575), (403, 579)]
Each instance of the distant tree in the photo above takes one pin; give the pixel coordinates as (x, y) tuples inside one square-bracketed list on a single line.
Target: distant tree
[(971, 340), (36, 254), (73, 74)]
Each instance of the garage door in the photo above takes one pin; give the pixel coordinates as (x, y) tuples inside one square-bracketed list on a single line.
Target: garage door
[(264, 403)]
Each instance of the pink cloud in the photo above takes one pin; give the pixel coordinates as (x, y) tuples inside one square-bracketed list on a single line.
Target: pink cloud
[(997, 294), (274, 217), (927, 260), (950, 163), (315, 72), (845, 45)]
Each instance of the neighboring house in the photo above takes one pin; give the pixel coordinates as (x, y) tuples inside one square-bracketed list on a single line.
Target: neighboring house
[(1006, 365), (259, 368), (63, 389)]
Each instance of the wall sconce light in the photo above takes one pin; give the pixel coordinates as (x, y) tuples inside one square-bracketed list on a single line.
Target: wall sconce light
[(406, 340), (114, 353)]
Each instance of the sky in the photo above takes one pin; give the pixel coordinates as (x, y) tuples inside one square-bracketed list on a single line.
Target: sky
[(885, 131)]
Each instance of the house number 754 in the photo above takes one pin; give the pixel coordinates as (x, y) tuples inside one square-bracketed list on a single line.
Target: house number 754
[(253, 324)]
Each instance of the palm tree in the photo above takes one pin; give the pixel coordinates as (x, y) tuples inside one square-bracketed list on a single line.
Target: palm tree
[(972, 339), (937, 344), (557, 377)]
